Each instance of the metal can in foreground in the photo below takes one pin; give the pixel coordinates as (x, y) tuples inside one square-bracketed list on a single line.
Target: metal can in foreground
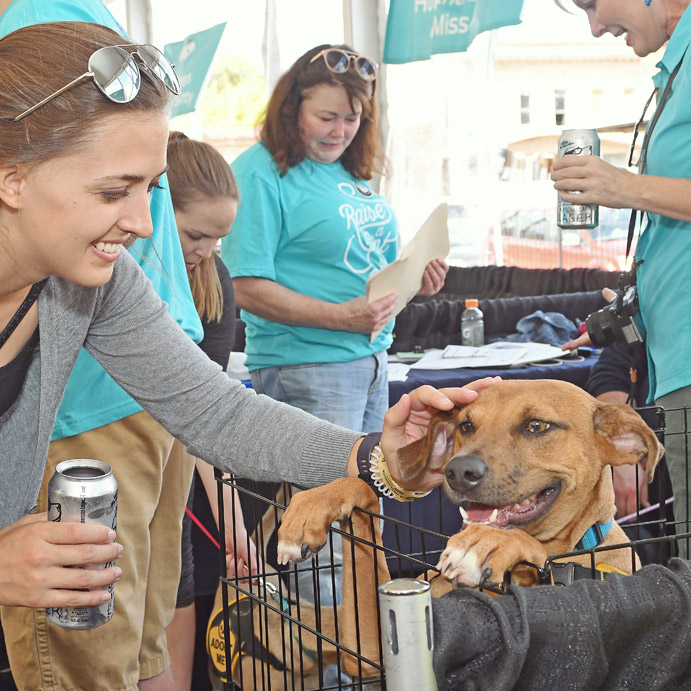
[(83, 490), (407, 634), (578, 143)]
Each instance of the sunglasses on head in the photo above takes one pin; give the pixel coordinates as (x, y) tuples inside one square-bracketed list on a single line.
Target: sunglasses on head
[(116, 73), (340, 61)]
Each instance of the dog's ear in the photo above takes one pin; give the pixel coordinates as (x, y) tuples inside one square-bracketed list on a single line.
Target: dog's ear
[(430, 451), (626, 439)]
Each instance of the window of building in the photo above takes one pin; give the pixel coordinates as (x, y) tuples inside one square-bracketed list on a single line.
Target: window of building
[(559, 107), (525, 109)]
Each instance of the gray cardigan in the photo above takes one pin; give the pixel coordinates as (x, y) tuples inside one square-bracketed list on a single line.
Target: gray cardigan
[(126, 327)]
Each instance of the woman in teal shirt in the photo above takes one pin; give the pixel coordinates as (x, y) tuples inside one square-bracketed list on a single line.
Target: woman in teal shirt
[(663, 191), (309, 233)]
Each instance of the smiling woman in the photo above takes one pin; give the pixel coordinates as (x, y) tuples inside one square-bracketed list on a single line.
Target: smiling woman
[(75, 174), (662, 188), (74, 212), (52, 172), (97, 418), (645, 26)]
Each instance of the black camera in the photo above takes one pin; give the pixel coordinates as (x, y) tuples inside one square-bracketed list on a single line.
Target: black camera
[(614, 323)]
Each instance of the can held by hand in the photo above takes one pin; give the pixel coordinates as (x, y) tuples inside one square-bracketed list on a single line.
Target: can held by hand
[(83, 490), (578, 143)]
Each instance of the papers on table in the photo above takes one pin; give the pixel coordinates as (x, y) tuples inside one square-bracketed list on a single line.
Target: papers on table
[(404, 276), (499, 354), (398, 371)]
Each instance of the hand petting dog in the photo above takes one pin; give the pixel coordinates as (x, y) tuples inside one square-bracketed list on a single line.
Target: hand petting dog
[(531, 462), (409, 420)]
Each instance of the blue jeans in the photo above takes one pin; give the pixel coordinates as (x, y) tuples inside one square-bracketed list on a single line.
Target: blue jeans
[(351, 394)]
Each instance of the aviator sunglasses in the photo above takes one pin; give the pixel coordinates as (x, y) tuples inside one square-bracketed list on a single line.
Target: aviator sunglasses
[(116, 73), (339, 61)]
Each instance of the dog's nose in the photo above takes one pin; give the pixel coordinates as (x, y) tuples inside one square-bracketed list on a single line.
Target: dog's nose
[(464, 473)]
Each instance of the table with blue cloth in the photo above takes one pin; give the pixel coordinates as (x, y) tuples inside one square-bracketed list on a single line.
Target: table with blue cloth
[(435, 513), (574, 369)]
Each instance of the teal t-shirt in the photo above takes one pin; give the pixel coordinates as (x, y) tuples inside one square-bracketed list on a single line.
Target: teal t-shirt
[(318, 231), (92, 398), (664, 278), (25, 12)]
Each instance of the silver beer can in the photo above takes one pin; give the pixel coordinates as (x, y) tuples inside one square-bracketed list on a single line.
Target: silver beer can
[(578, 143), (83, 490)]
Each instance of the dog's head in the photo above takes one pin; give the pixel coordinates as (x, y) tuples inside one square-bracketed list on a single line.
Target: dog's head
[(525, 449)]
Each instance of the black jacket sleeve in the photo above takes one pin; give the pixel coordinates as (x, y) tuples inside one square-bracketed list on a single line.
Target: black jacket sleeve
[(611, 371), (626, 632)]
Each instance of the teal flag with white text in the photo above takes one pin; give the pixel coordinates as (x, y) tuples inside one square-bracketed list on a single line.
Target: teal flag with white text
[(192, 58), (418, 29)]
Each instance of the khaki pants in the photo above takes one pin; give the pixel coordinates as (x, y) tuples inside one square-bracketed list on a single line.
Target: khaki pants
[(154, 472)]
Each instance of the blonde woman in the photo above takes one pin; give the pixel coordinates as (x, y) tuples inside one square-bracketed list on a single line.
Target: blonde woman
[(205, 199)]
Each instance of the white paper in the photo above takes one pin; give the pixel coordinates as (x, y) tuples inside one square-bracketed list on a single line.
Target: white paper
[(499, 354), (404, 276), (398, 371), (236, 367)]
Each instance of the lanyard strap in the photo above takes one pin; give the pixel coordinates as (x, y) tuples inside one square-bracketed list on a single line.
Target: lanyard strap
[(644, 148), (656, 116), (29, 300)]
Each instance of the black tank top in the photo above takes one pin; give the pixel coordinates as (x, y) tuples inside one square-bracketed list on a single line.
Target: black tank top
[(13, 374)]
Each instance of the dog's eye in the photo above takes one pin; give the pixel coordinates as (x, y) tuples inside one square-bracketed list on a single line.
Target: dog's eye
[(537, 426), (466, 427)]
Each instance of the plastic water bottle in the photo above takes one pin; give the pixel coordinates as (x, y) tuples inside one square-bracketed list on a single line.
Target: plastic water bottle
[(472, 325)]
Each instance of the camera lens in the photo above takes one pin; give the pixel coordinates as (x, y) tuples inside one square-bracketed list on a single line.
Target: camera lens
[(600, 326)]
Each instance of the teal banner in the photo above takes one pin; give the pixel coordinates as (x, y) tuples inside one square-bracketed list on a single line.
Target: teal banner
[(192, 58), (418, 29)]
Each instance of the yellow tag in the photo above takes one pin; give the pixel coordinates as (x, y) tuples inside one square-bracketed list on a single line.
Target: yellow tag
[(215, 644), (606, 568)]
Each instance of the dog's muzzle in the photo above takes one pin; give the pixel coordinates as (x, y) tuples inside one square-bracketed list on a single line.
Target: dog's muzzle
[(465, 473)]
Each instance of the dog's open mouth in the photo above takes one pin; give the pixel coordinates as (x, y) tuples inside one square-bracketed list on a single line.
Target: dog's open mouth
[(524, 511)]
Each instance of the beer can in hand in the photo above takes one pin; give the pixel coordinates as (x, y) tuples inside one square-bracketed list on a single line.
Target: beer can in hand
[(578, 143), (83, 490)]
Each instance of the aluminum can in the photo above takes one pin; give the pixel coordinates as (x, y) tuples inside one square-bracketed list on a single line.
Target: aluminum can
[(579, 143), (83, 490)]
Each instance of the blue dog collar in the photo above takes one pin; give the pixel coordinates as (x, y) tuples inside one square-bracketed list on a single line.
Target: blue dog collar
[(594, 536)]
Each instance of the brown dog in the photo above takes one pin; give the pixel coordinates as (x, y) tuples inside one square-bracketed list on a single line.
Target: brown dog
[(269, 649), (266, 648), (531, 462)]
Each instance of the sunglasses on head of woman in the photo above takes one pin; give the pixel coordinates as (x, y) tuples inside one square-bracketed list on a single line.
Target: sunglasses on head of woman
[(339, 61), (116, 73)]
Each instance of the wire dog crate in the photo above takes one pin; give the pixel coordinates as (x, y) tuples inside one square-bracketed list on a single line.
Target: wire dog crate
[(284, 624)]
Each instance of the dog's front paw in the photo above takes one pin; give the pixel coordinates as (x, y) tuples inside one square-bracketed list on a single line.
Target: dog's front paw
[(480, 556), (305, 524), (461, 565)]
